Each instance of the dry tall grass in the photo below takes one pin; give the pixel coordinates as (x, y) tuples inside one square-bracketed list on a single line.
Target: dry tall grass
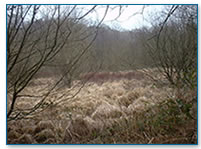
[(124, 108)]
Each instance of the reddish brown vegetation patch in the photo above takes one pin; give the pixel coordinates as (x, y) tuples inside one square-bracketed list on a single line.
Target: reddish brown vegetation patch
[(111, 76)]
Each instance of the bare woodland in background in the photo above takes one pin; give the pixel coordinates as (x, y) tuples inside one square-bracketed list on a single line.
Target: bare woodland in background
[(62, 46)]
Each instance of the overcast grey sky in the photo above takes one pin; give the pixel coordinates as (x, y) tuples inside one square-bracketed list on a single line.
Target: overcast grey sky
[(133, 16)]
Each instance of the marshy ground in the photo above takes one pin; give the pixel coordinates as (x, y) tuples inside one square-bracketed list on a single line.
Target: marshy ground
[(111, 108)]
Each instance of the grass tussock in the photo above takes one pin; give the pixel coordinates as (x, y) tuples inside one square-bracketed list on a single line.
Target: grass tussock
[(125, 110)]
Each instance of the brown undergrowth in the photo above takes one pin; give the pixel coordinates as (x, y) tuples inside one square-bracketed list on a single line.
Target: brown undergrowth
[(134, 110)]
